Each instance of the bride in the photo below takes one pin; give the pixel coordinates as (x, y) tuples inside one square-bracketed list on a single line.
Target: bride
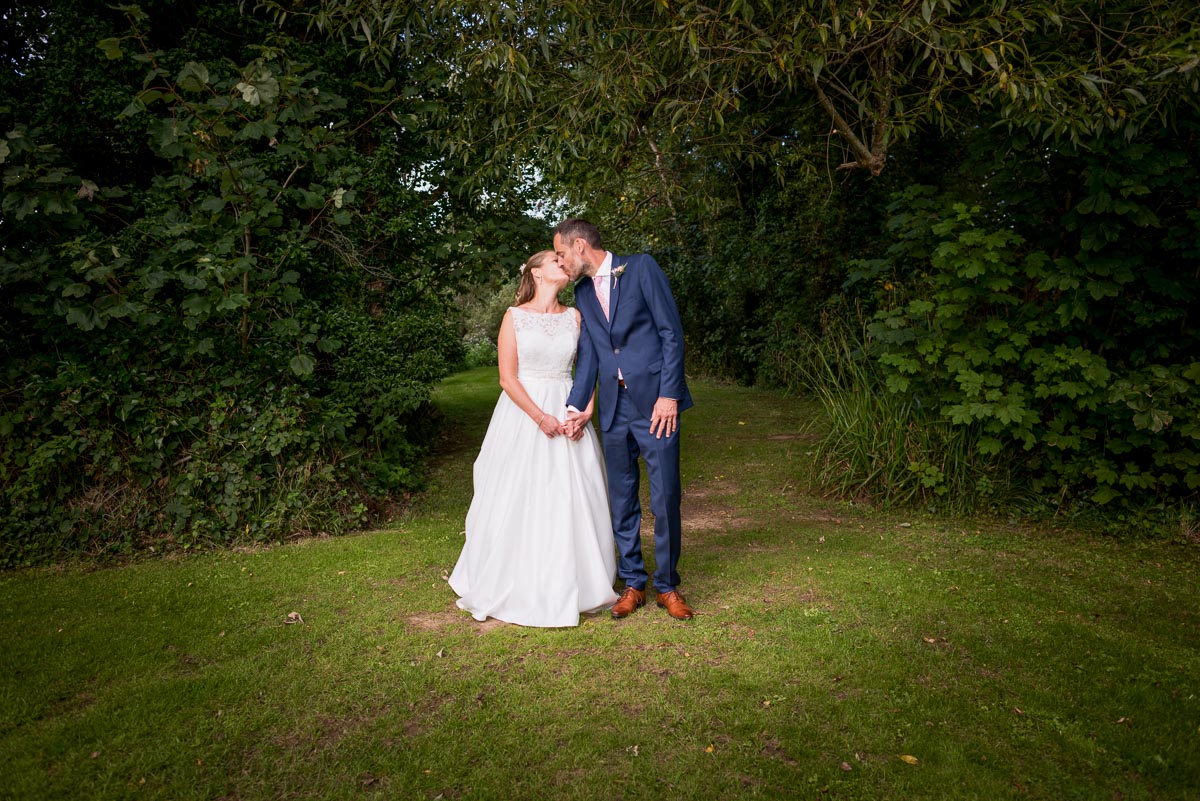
[(539, 547)]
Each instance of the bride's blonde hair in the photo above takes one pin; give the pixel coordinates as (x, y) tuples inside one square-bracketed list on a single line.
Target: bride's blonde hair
[(527, 288)]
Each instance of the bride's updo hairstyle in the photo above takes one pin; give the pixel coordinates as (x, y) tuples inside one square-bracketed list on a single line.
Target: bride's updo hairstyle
[(528, 286)]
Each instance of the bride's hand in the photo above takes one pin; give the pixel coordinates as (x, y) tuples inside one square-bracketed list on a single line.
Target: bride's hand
[(550, 425)]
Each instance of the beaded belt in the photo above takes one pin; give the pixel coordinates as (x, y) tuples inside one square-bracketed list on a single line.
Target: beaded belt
[(543, 375)]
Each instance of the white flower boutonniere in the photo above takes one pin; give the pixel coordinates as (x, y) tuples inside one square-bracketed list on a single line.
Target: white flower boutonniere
[(618, 271)]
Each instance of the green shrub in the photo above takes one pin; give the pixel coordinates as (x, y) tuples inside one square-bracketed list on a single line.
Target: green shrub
[(205, 336), (889, 448), (1078, 363)]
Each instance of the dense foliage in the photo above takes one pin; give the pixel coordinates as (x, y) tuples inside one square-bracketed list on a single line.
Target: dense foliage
[(1061, 327), (1026, 250), (224, 284)]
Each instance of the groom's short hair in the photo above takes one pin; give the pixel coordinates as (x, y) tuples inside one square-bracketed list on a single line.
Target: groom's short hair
[(576, 228)]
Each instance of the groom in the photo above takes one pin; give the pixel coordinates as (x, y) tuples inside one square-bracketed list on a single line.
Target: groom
[(631, 342)]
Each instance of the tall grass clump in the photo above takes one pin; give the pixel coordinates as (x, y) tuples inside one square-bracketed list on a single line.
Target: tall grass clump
[(885, 447)]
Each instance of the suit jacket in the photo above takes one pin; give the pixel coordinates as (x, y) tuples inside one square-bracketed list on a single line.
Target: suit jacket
[(642, 337)]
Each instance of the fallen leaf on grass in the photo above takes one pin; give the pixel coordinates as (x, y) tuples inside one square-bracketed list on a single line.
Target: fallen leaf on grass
[(708, 749), (846, 767), (1123, 721), (293, 617), (633, 749), (909, 758)]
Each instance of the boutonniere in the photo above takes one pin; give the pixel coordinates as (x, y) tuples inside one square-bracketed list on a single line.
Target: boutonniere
[(618, 271)]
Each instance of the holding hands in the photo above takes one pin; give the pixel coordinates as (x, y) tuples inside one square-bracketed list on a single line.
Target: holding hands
[(573, 427), (663, 422)]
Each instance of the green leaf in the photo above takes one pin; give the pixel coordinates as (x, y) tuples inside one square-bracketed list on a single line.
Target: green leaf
[(258, 86), (302, 364), (193, 77), (85, 318), (234, 300), (989, 445), (328, 345), (165, 133), (111, 48), (197, 305)]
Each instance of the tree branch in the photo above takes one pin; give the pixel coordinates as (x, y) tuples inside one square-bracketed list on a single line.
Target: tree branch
[(863, 155)]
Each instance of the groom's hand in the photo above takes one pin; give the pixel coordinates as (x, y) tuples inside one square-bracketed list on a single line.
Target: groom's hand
[(665, 419), (573, 427)]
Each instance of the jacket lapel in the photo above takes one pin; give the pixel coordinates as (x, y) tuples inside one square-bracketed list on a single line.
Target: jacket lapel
[(614, 287), (595, 301)]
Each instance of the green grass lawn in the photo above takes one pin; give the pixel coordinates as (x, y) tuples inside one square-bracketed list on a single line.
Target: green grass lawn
[(837, 653)]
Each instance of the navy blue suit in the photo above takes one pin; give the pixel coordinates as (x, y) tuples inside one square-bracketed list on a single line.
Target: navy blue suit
[(643, 338)]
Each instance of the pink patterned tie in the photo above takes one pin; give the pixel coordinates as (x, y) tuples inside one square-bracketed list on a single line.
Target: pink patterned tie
[(601, 293)]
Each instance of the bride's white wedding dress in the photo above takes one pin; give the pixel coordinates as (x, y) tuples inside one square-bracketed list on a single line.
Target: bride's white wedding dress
[(539, 547)]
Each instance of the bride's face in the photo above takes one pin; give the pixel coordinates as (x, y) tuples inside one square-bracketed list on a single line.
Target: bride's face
[(553, 273)]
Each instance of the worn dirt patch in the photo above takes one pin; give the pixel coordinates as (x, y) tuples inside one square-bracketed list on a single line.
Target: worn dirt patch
[(711, 518), (808, 437), (439, 621), (702, 509)]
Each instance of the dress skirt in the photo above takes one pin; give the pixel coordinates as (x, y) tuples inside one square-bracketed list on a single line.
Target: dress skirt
[(539, 542)]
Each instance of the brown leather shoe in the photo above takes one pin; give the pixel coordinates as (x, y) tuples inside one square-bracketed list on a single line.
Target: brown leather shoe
[(630, 600), (675, 605)]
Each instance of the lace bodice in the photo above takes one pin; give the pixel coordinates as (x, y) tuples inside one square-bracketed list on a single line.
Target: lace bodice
[(545, 344)]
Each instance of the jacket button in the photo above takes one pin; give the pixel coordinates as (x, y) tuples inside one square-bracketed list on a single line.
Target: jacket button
[(616, 351)]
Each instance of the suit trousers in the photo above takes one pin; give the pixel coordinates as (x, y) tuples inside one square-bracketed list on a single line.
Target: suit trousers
[(628, 438)]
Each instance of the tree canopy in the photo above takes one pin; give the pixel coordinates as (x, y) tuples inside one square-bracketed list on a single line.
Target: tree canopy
[(234, 238)]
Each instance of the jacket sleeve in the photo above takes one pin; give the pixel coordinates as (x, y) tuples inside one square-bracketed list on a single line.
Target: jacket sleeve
[(662, 307), (587, 365)]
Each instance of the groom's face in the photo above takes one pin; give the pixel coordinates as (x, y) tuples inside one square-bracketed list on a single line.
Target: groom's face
[(570, 258)]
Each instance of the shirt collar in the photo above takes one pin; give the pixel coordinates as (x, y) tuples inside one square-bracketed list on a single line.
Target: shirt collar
[(606, 265)]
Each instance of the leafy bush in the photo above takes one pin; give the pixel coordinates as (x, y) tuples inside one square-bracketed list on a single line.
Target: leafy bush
[(1076, 359), (202, 338), (889, 448)]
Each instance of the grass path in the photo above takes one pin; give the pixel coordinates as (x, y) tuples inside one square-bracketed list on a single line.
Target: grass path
[(837, 654)]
